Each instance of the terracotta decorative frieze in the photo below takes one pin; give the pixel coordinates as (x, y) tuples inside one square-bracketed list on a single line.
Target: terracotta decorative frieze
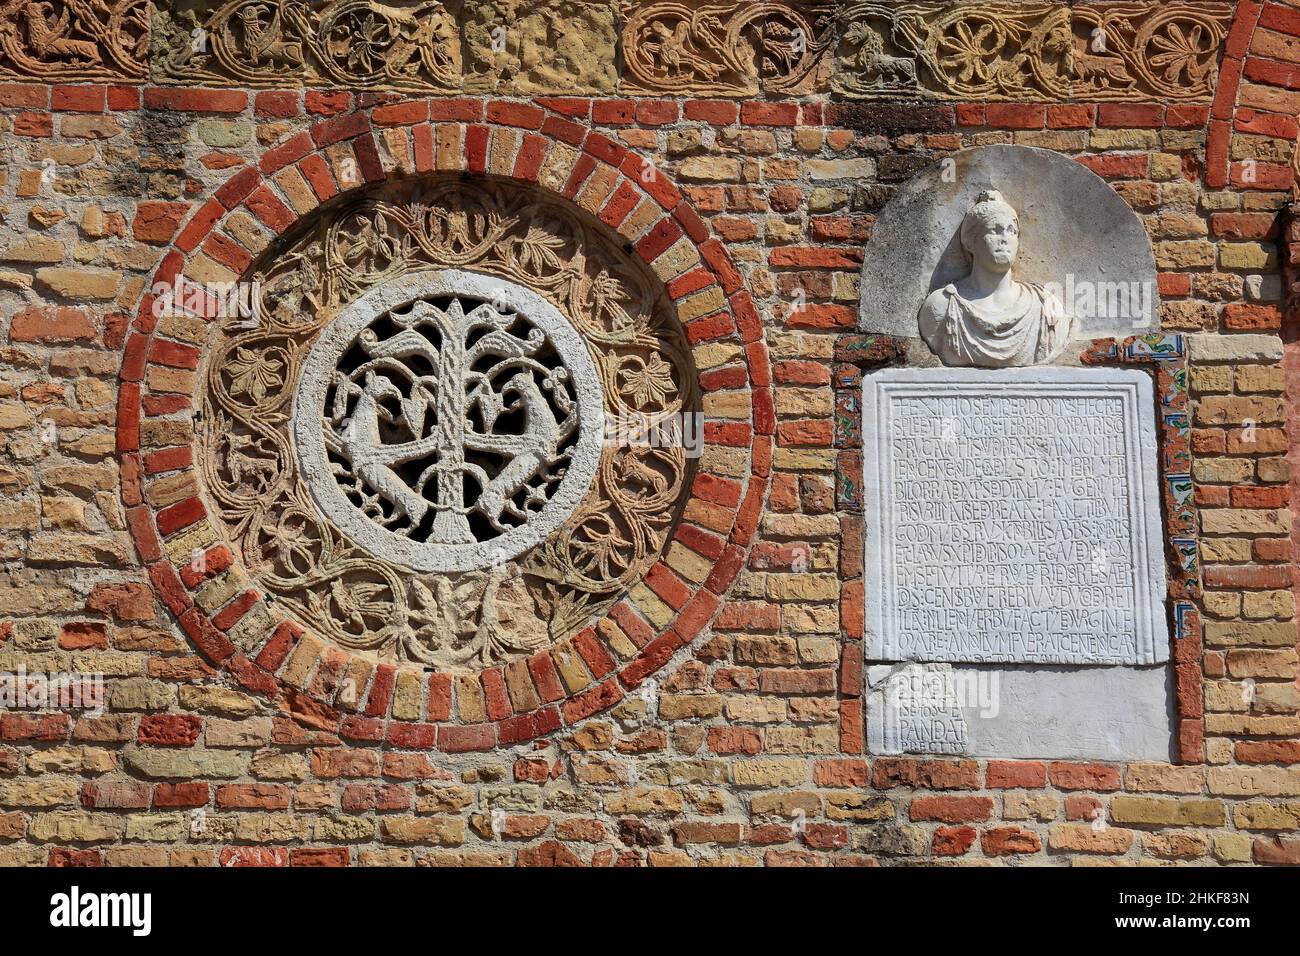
[(1034, 51), (726, 49), (402, 45), (74, 39), (1165, 51)]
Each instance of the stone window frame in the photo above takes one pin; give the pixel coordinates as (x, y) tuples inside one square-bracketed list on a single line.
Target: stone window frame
[(238, 630)]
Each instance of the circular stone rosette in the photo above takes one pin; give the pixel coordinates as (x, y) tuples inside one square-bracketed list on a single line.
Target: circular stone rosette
[(406, 441)]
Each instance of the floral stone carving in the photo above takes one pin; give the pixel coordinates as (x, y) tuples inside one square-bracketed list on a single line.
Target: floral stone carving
[(379, 285), (74, 39), (402, 44), (726, 49), (981, 51), (988, 318)]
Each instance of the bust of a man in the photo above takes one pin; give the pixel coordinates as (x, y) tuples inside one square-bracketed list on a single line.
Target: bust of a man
[(989, 319)]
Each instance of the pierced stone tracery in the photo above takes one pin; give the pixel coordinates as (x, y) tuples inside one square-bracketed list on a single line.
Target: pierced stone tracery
[(449, 432)]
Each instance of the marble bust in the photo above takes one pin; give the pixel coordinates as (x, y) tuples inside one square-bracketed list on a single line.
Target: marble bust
[(987, 318)]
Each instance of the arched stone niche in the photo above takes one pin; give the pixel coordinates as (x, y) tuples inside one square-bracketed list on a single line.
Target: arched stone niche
[(1078, 237)]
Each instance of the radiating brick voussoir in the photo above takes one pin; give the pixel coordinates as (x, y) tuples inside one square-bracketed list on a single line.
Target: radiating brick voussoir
[(455, 136)]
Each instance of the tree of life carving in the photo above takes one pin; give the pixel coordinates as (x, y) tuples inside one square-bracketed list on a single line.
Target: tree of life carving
[(364, 585), (456, 427)]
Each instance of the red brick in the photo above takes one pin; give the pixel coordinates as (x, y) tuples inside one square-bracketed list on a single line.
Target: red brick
[(564, 130), (1129, 115), (1242, 317), (605, 149), (1084, 776), (546, 679), (757, 113), (401, 114), (664, 233), (169, 730), (1272, 72), (953, 841), (1014, 774), (951, 809), (889, 772), (339, 128), (1249, 120), (83, 635), (1243, 225), (185, 100), (840, 773), (1009, 840), (494, 694), (79, 99), (24, 96), (820, 316), (267, 207), (656, 112), (1268, 751), (115, 795), (318, 856), (527, 726), (130, 601), (180, 515), (34, 124), (34, 726), (462, 738), (716, 112), (51, 323), (1016, 115), (735, 740), (328, 104), (515, 114), (1186, 116), (812, 257), (1070, 116), (290, 151), (1117, 166), (276, 104), (317, 173), (1277, 851), (173, 795), (406, 735), (456, 110), (613, 112)]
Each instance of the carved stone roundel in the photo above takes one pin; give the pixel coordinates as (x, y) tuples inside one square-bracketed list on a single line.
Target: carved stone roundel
[(404, 444), (448, 420)]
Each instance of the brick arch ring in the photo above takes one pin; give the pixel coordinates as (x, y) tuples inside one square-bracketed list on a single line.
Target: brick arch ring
[(237, 629)]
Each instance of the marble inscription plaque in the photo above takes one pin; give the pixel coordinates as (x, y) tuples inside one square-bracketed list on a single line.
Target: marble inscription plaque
[(1013, 516)]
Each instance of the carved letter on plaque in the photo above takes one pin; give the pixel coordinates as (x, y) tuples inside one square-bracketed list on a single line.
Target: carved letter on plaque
[(1013, 516)]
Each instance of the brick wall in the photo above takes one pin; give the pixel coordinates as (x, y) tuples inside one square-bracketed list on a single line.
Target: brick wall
[(750, 749)]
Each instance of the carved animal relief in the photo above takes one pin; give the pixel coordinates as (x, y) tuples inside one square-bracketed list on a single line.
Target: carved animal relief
[(402, 45), (407, 450), (74, 39), (1047, 51), (726, 49)]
